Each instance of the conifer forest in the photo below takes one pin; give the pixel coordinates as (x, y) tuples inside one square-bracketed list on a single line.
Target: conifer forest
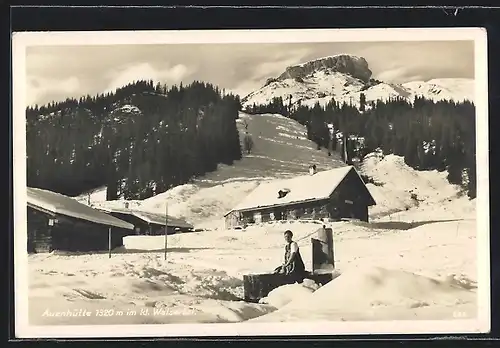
[(429, 135), (138, 141)]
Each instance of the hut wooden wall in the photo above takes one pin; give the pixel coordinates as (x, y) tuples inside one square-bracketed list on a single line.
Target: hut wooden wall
[(69, 234), (39, 231), (159, 230), (350, 200), (304, 210), (232, 219), (80, 235), (142, 228)]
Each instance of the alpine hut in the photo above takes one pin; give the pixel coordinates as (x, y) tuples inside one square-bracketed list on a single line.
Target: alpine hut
[(331, 194), (148, 223), (59, 222)]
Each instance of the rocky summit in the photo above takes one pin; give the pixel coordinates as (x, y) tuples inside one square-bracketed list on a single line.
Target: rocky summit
[(344, 63)]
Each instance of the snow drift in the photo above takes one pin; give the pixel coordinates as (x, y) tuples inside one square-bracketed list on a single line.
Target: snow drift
[(285, 294), (374, 292), (398, 187)]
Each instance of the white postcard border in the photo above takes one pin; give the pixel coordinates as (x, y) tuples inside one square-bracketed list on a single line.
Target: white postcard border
[(22, 40)]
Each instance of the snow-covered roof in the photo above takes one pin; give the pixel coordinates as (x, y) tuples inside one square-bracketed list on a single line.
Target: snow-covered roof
[(301, 189), (151, 218), (64, 205)]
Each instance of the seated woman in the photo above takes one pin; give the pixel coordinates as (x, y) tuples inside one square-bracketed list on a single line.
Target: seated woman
[(293, 267)]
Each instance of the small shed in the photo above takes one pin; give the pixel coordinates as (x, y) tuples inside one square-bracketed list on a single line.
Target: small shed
[(331, 194), (148, 223), (59, 222)]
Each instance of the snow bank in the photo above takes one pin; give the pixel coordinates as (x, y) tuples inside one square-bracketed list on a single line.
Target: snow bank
[(369, 293), (395, 183), (374, 286), (134, 282), (285, 294)]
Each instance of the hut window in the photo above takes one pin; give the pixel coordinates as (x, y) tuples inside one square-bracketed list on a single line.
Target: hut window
[(257, 217)]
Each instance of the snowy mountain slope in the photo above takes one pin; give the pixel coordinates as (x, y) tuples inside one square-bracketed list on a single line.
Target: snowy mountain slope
[(323, 81), (457, 89), (398, 187), (281, 150)]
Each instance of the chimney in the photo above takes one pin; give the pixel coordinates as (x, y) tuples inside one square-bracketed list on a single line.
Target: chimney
[(346, 159), (283, 192), (312, 169)]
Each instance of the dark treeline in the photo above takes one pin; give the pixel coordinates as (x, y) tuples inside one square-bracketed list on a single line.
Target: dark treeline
[(138, 141), (276, 106), (429, 135)]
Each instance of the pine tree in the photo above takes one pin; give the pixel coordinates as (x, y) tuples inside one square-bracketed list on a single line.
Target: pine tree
[(362, 102), (248, 143)]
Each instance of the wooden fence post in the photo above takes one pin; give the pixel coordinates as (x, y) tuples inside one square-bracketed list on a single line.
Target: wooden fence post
[(109, 242)]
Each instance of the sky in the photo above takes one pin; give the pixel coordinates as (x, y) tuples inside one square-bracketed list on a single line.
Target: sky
[(55, 73)]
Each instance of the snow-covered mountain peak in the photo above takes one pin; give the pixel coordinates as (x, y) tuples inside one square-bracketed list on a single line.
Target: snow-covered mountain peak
[(354, 66), (345, 77), (457, 89)]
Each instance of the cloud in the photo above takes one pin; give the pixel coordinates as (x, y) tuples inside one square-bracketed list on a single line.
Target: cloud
[(393, 75), (273, 69), (39, 88), (263, 68), (246, 88), (281, 61), (54, 72), (145, 71)]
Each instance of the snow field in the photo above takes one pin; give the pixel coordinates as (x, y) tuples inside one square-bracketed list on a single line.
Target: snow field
[(204, 271)]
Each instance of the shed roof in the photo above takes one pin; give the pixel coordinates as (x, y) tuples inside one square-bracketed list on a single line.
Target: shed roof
[(64, 205), (151, 218), (302, 188)]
